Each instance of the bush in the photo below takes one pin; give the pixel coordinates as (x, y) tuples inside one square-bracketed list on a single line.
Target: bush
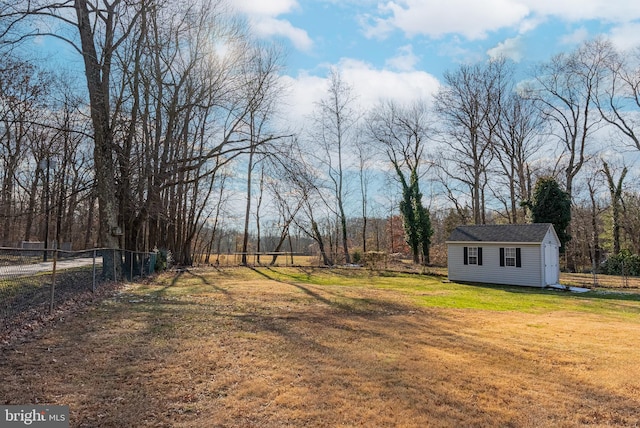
[(164, 259), (356, 257), (624, 263)]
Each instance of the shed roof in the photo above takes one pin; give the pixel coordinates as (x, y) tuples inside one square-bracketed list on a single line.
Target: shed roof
[(501, 233)]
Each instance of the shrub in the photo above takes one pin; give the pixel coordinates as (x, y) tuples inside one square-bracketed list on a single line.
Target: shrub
[(624, 263), (356, 257), (164, 259)]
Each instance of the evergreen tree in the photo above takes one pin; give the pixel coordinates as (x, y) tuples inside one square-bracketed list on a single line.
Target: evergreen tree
[(551, 204)]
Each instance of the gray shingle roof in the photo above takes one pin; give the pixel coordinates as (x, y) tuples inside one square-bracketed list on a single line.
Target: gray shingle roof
[(501, 233)]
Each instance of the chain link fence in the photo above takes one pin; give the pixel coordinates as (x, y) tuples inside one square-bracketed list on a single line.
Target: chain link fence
[(33, 283)]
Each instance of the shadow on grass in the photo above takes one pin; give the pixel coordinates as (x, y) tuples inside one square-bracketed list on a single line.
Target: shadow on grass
[(173, 363), (354, 305), (593, 294), (184, 274)]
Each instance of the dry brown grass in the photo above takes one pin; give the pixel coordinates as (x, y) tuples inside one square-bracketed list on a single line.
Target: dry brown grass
[(239, 349)]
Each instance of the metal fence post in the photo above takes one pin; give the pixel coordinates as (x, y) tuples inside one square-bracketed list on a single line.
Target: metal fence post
[(53, 281), (93, 282)]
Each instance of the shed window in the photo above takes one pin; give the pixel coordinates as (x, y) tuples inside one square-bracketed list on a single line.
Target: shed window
[(473, 256), (510, 256)]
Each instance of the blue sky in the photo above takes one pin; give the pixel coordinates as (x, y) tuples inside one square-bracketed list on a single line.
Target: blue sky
[(400, 48)]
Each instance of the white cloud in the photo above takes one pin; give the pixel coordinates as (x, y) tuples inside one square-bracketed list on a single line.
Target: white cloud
[(373, 85), (510, 48), (265, 8), (626, 36), (473, 19), (405, 60), (303, 91), (267, 27), (459, 52), (575, 38), (435, 18), (530, 23), (263, 18), (370, 85), (577, 10)]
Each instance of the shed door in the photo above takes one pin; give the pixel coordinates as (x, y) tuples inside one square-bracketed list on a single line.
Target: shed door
[(551, 264)]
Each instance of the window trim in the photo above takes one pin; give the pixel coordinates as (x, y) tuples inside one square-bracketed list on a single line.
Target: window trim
[(467, 256), (518, 257), (510, 256), (473, 255)]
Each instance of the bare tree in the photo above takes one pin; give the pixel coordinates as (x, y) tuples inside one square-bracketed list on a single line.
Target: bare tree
[(74, 176), (469, 108), (288, 192), (517, 142), (170, 98), (213, 222), (565, 90), (336, 124), (262, 90), (100, 29), (187, 109), (169, 157), (365, 158), (404, 133), (618, 97), (592, 208), (306, 186), (22, 91)]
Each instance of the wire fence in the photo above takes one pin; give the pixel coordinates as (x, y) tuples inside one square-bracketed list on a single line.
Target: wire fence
[(34, 282), (232, 259)]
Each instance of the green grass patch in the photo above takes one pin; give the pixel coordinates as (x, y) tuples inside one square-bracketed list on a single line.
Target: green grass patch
[(338, 287), (431, 291)]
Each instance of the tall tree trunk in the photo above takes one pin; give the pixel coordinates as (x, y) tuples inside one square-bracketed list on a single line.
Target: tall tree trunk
[(318, 237), (31, 207), (258, 206), (595, 257), (6, 204), (91, 203), (247, 214), (98, 78)]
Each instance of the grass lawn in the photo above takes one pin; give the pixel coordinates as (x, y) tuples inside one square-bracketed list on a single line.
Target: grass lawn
[(292, 347)]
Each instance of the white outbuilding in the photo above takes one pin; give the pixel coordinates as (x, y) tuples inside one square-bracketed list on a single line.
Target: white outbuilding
[(511, 254)]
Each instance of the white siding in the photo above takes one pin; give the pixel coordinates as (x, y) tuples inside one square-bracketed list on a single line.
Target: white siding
[(530, 274)]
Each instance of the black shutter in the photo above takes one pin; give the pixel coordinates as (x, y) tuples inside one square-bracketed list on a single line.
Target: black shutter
[(501, 256), (518, 258), (479, 256), (466, 256)]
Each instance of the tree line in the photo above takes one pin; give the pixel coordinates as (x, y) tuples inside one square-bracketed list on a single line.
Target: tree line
[(170, 136)]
